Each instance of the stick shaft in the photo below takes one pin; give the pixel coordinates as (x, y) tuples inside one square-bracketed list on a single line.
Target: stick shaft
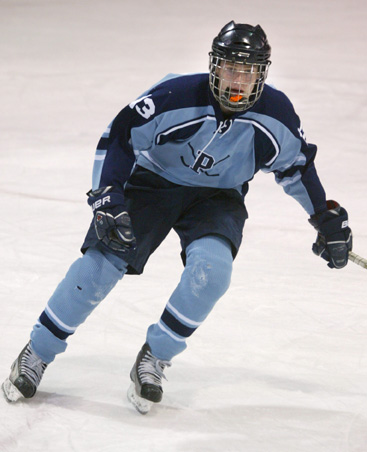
[(357, 259)]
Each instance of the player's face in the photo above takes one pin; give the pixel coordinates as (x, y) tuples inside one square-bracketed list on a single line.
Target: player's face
[(236, 80)]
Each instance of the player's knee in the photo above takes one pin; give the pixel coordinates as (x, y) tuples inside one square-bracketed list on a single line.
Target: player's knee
[(96, 276), (209, 267)]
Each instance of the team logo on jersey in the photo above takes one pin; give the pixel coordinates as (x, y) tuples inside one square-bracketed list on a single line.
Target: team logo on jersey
[(203, 162)]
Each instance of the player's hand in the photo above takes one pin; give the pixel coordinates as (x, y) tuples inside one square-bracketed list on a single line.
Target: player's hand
[(334, 239), (111, 219)]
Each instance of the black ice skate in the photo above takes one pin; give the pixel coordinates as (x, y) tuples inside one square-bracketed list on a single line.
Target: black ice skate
[(146, 376), (25, 376)]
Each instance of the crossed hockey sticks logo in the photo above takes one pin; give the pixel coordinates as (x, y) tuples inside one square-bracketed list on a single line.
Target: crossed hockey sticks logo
[(203, 162)]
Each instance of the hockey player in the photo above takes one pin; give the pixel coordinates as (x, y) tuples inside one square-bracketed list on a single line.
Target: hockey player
[(181, 156)]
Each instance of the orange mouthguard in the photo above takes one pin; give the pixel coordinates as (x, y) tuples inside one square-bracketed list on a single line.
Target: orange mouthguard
[(236, 98)]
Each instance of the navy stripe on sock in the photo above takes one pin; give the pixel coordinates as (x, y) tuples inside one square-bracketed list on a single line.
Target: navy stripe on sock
[(175, 325), (48, 323)]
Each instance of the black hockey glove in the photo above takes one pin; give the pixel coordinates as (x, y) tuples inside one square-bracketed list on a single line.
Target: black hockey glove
[(334, 239), (111, 220)]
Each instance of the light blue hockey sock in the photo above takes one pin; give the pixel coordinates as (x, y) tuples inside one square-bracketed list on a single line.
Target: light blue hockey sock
[(88, 281), (205, 279)]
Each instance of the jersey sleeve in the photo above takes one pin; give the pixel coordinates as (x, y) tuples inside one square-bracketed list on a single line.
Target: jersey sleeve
[(291, 159), (115, 157)]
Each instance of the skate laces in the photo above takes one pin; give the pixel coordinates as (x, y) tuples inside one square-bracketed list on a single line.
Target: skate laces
[(150, 369), (32, 366)]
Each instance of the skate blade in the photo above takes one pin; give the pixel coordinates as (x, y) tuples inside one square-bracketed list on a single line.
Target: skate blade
[(11, 393), (140, 404)]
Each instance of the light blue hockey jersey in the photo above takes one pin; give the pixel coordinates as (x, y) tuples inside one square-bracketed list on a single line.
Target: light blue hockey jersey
[(177, 130)]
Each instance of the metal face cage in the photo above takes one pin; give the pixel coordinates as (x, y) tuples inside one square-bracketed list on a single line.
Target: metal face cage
[(236, 85)]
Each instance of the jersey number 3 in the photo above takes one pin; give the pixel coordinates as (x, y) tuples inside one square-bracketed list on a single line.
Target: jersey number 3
[(144, 106)]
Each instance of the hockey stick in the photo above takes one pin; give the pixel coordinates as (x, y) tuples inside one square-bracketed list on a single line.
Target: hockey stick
[(357, 259)]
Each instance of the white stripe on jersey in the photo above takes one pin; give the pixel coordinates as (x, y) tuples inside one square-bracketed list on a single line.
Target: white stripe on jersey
[(268, 134), (185, 124)]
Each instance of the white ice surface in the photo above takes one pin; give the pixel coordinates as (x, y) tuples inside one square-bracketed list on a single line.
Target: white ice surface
[(281, 363)]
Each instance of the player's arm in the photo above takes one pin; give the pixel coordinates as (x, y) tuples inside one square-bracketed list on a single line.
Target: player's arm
[(295, 171), (334, 237), (114, 161)]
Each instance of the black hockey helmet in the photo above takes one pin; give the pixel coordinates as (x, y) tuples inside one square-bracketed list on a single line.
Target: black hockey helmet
[(242, 43), (238, 66)]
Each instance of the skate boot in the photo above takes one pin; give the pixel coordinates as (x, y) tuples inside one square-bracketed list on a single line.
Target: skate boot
[(146, 380), (25, 376)]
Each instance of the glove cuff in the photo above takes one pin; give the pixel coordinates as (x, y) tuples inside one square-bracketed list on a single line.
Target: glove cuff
[(104, 197), (333, 209)]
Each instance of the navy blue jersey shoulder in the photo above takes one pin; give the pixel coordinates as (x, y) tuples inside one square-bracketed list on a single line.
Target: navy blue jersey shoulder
[(180, 92), (191, 90), (276, 104)]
